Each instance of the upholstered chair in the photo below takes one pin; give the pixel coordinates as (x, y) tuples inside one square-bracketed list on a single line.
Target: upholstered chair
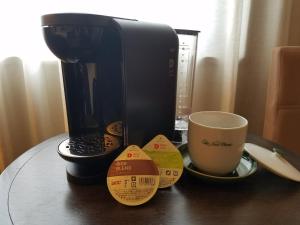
[(282, 117)]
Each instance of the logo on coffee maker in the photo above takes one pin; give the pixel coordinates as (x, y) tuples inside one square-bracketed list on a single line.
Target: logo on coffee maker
[(215, 143)]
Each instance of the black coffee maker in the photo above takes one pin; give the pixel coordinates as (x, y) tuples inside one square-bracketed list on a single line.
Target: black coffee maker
[(120, 86)]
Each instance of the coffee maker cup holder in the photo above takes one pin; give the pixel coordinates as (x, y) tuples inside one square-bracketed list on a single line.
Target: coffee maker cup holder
[(88, 157)]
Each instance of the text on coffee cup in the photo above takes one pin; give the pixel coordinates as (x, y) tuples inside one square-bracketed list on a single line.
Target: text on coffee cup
[(215, 143)]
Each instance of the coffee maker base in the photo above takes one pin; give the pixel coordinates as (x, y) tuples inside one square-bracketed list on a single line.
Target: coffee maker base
[(85, 174)]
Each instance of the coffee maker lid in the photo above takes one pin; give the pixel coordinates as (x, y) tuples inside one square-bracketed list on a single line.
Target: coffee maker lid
[(75, 19)]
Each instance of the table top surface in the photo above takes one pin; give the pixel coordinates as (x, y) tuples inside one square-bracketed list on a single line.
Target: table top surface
[(34, 190)]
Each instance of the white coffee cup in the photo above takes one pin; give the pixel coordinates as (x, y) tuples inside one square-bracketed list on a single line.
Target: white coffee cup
[(216, 141)]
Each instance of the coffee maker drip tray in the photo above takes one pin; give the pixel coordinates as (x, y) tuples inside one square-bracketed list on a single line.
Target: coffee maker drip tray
[(88, 146)]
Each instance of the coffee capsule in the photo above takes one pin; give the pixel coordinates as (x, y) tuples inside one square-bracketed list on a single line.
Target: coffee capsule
[(167, 158), (115, 128), (111, 142), (133, 177)]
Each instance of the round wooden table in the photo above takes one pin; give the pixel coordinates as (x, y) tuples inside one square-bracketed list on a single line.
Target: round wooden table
[(34, 191)]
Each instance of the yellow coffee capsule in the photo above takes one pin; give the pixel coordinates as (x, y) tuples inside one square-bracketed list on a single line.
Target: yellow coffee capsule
[(167, 158), (133, 177)]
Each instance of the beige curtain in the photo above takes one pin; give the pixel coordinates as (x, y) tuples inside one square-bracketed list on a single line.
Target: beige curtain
[(233, 61), (31, 105)]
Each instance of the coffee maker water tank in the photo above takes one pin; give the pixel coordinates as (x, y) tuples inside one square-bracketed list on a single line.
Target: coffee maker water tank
[(188, 40)]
